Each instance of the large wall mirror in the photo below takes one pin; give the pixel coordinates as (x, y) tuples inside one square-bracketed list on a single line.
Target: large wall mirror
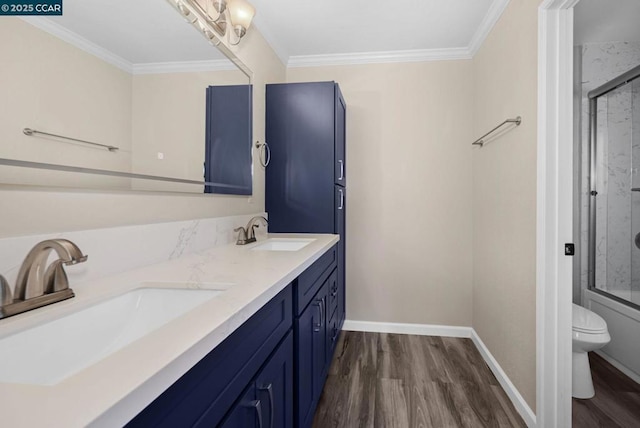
[(122, 95)]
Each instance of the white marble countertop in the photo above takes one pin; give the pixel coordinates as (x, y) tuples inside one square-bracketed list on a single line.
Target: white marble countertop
[(112, 391)]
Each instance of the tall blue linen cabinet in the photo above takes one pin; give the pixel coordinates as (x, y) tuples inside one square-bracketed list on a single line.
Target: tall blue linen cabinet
[(306, 193)]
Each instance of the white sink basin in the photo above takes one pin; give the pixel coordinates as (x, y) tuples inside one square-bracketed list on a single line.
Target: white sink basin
[(283, 244), (51, 352)]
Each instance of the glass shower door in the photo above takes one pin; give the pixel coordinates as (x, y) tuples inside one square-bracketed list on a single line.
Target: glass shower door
[(617, 203)]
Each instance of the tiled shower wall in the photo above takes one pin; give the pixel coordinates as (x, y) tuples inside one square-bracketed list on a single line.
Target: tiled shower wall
[(617, 261)]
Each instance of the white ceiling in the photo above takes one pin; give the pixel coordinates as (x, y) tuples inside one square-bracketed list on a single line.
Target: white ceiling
[(598, 21), (298, 28), (138, 31), (302, 32)]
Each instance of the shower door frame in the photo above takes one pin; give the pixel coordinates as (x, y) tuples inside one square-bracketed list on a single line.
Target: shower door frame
[(593, 96)]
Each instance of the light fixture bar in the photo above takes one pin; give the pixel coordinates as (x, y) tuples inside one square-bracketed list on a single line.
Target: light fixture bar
[(211, 29)]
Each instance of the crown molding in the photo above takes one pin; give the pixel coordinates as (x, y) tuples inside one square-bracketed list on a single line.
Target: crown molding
[(184, 67), (490, 19), (78, 41), (418, 55)]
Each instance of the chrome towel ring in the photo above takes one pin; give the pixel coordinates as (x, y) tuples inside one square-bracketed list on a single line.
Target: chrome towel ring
[(264, 148)]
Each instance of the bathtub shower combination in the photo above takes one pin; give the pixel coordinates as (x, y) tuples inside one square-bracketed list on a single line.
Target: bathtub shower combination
[(612, 274), (614, 211)]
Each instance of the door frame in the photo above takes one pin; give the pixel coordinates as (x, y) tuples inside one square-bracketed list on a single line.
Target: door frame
[(554, 213)]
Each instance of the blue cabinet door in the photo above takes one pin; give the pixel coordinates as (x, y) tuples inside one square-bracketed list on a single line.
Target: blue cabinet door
[(310, 350), (246, 413), (274, 387), (340, 168), (228, 139), (340, 213), (300, 176)]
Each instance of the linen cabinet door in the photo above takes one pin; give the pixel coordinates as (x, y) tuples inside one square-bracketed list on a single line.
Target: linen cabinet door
[(340, 220), (274, 387), (246, 413), (340, 127)]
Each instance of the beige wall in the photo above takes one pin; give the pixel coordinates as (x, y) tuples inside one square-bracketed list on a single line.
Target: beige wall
[(52, 86), (409, 189), (31, 211), (169, 117), (504, 195)]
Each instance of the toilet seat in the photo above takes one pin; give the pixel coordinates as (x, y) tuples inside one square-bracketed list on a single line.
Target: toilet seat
[(585, 321)]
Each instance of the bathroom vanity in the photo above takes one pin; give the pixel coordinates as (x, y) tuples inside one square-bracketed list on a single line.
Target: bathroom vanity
[(269, 370), (250, 355)]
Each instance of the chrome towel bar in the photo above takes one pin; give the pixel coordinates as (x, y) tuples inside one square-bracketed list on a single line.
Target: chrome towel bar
[(30, 132), (480, 141)]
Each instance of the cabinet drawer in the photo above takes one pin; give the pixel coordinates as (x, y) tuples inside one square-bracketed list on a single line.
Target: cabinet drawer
[(214, 384), (311, 280), (332, 298)]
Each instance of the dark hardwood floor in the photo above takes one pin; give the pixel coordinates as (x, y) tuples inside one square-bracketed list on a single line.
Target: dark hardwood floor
[(617, 400), (391, 380)]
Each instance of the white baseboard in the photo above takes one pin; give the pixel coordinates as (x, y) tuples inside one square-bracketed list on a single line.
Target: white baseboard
[(453, 331), (417, 329), (514, 395)]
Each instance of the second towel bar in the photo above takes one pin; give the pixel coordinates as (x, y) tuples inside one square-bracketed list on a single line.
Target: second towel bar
[(480, 141)]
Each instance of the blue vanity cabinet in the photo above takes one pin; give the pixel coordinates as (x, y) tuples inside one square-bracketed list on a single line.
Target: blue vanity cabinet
[(268, 401), (246, 413), (270, 372), (274, 387), (310, 357), (206, 393), (305, 182)]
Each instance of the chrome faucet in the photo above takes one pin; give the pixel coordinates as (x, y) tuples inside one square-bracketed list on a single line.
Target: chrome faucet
[(38, 285), (248, 235)]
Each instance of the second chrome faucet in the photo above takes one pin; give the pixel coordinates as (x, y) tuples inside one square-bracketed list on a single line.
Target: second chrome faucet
[(248, 235)]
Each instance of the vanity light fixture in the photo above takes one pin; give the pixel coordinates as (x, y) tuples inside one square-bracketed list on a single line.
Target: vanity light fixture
[(240, 13), (211, 17)]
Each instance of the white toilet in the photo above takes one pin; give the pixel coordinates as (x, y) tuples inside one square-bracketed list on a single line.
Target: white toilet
[(589, 333)]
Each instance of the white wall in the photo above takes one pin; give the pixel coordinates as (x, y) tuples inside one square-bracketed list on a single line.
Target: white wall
[(409, 189)]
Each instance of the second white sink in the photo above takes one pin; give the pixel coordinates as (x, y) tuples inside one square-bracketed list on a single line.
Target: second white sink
[(51, 352), (283, 244)]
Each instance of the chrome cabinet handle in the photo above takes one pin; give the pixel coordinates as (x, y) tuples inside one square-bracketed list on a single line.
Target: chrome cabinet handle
[(322, 313), (258, 408), (341, 162), (317, 328), (341, 199), (269, 389)]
